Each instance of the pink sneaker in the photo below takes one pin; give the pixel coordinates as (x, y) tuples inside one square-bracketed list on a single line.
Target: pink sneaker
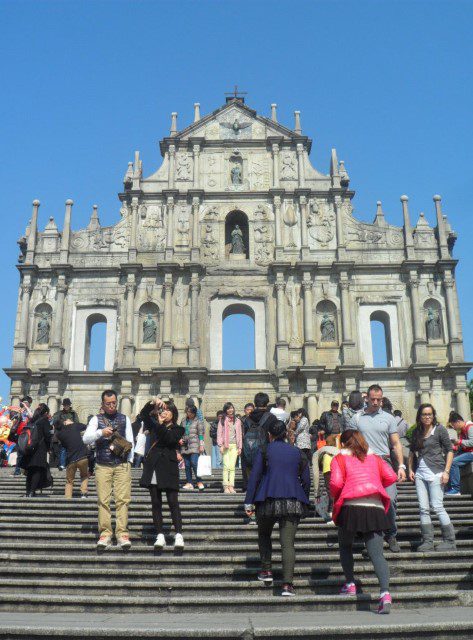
[(348, 589), (385, 602)]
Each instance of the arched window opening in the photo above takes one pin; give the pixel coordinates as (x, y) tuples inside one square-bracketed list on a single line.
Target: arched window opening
[(238, 342), (95, 343), (381, 340), (237, 245)]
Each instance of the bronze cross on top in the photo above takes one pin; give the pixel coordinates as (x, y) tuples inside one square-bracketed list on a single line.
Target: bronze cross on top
[(235, 93)]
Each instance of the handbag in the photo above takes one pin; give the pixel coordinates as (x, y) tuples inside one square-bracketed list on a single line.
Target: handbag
[(204, 465), (119, 446), (140, 445)]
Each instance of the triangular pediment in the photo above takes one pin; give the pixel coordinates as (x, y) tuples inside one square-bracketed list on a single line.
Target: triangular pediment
[(235, 121)]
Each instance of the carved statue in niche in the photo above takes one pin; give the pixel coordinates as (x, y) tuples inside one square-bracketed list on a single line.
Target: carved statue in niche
[(238, 246), (288, 167), (183, 167), (293, 291), (290, 220), (43, 329), (236, 174), (150, 330), (327, 329), (434, 329), (321, 223), (183, 227)]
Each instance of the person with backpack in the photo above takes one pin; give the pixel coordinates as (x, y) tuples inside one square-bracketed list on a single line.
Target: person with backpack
[(69, 434), (229, 439), (256, 429), (33, 444), (358, 481), (278, 492)]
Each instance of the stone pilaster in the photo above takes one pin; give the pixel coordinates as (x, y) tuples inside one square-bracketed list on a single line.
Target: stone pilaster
[(57, 346), (196, 152), (348, 344), (303, 195), (442, 234), (21, 348), (172, 166), (129, 351), (341, 246), (166, 349), (282, 347), (133, 230), (197, 196), (275, 156), (31, 246), (309, 343), (170, 227), (300, 165), (126, 406), (420, 344), (454, 342), (408, 239), (277, 221), (194, 325), (66, 233)]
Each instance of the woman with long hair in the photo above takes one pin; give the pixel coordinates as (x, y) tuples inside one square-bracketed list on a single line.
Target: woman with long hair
[(430, 459), (278, 491), (302, 434), (36, 462), (230, 441), (161, 467), (193, 446), (357, 483)]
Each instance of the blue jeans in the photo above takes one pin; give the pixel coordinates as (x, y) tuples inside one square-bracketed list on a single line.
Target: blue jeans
[(216, 457), (190, 461), (430, 494), (458, 462), (62, 457)]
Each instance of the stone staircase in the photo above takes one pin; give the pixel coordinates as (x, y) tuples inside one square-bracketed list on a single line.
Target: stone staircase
[(52, 578)]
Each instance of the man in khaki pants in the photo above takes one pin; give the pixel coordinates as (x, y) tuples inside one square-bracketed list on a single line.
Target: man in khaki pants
[(111, 473)]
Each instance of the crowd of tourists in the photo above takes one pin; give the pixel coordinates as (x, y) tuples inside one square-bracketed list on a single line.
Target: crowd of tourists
[(362, 450)]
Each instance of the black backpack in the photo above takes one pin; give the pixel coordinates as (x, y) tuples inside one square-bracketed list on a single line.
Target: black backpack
[(255, 440), (28, 440)]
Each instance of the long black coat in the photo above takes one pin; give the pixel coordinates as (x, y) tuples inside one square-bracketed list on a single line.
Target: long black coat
[(162, 457), (39, 457)]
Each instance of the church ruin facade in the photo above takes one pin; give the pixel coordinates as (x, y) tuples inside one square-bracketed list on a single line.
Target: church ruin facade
[(237, 220)]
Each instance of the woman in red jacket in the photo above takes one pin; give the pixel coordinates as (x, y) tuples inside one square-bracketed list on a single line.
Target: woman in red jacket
[(357, 484)]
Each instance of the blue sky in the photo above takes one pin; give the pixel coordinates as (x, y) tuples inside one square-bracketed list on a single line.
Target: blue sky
[(86, 83)]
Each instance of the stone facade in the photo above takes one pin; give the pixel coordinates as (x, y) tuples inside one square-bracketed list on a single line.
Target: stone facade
[(310, 274)]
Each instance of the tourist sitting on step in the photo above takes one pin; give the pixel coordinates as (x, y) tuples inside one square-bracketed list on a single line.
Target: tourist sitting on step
[(278, 492), (113, 437), (430, 460), (193, 446), (464, 455), (69, 434), (229, 439), (358, 481), (161, 467)]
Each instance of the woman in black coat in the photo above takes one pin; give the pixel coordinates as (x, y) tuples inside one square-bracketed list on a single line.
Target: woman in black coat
[(161, 466), (36, 463)]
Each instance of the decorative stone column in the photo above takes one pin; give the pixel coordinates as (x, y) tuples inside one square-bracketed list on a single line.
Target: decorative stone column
[(275, 154), (30, 249), (303, 194), (348, 345), (309, 343), (194, 326), (170, 228), (195, 251), (21, 348), (129, 351), (126, 406), (172, 165), (442, 234), (408, 239), (454, 342), (133, 230), (341, 248), (282, 347), (420, 350), (312, 407), (277, 223), (66, 233), (57, 347), (300, 165), (166, 349), (196, 152)]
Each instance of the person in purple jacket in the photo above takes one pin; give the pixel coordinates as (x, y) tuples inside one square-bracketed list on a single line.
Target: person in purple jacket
[(278, 491)]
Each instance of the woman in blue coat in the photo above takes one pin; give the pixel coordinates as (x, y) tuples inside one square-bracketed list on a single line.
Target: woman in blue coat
[(278, 491)]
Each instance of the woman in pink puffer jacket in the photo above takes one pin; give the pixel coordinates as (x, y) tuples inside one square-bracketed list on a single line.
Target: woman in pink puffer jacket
[(357, 484)]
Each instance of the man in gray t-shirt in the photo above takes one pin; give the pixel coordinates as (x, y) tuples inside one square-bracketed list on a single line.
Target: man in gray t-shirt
[(380, 432)]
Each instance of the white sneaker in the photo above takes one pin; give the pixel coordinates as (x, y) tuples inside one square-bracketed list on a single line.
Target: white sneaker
[(160, 542), (178, 541)]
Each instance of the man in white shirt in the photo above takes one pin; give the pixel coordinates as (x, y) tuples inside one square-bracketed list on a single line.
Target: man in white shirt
[(280, 410), (112, 473)]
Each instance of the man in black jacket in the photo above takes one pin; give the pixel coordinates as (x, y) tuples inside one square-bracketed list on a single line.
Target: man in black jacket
[(331, 421), (65, 413), (69, 435)]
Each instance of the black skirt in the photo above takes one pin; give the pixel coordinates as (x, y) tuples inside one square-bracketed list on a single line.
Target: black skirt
[(360, 519)]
